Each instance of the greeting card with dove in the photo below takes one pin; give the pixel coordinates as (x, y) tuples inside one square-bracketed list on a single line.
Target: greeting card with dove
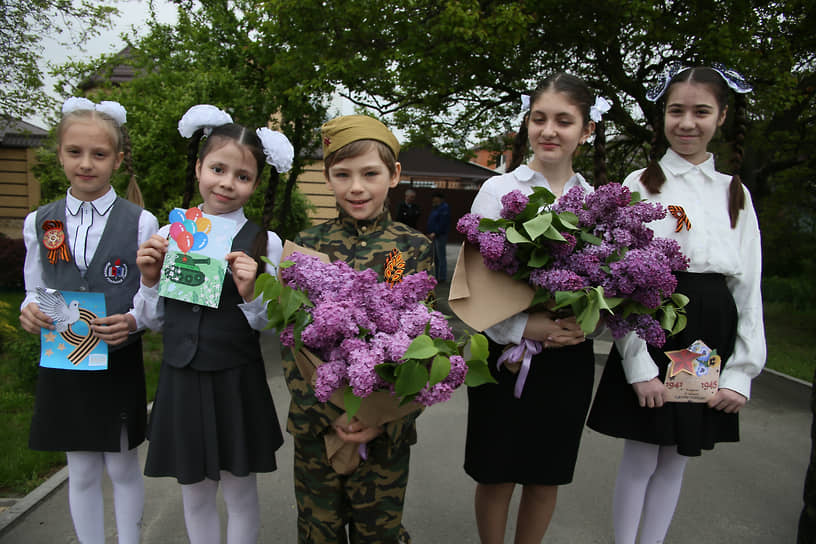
[(71, 345)]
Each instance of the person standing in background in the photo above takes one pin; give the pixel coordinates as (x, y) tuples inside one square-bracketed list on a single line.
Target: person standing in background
[(438, 222), (409, 211)]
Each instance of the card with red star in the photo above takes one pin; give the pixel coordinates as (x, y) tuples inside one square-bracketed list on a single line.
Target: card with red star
[(693, 374)]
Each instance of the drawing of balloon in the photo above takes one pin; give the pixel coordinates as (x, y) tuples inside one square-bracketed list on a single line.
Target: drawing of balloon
[(199, 241), (204, 225), (185, 241), (190, 226), (192, 214), (176, 216), (176, 229)]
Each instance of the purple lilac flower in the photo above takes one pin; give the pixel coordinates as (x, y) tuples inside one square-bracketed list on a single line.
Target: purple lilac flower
[(330, 376), (562, 249), (439, 326), (645, 326), (458, 370), (491, 246), (441, 392), (468, 225), (513, 203), (671, 249), (557, 280)]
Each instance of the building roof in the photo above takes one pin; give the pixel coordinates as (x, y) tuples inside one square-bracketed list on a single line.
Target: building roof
[(424, 162), (17, 133), (115, 72)]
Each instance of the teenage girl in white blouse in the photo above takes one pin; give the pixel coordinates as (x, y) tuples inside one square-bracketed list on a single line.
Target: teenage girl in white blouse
[(712, 218)]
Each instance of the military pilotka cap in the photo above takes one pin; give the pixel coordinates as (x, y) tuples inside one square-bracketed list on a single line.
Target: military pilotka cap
[(343, 130)]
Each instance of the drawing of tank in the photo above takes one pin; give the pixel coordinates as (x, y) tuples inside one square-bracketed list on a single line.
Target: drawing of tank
[(185, 271)]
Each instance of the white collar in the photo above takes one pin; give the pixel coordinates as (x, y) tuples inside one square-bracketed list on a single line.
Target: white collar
[(525, 174), (102, 205), (678, 166), (235, 215)]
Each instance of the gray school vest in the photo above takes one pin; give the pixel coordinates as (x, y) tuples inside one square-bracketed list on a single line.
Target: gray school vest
[(209, 339), (112, 270)]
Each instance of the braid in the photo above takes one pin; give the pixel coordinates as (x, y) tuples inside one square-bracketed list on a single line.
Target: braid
[(134, 194), (736, 195), (192, 157), (653, 177), (270, 196), (599, 155), (519, 145)]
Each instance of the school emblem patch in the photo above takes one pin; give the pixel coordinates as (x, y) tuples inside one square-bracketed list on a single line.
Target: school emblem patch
[(116, 271)]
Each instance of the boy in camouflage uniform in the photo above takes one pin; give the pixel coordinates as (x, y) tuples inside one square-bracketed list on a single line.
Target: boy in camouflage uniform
[(360, 166)]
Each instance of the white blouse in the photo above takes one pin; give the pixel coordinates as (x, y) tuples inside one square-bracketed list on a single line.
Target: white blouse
[(488, 204), (84, 224), (712, 246), (150, 304)]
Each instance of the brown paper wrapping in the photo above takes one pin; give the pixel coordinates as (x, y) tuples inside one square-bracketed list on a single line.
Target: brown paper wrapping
[(482, 297), (379, 408)]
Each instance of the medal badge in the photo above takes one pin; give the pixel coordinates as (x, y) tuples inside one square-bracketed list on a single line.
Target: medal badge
[(55, 242)]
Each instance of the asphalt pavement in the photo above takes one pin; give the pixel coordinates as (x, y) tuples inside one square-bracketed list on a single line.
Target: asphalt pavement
[(747, 492)]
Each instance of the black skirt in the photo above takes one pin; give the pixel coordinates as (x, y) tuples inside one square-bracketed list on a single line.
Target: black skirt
[(205, 422), (533, 439), (712, 318), (77, 410)]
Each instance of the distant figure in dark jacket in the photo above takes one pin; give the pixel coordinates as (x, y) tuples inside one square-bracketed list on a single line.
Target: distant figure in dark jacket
[(438, 223), (409, 211)]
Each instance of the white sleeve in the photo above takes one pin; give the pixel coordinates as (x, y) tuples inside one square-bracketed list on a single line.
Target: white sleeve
[(748, 358), (148, 226), (638, 365), (255, 310), (32, 270)]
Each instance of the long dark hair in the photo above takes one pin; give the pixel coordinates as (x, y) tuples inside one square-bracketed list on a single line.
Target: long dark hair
[(582, 97), (653, 177)]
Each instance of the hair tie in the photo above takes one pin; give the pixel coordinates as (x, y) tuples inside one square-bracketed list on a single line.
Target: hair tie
[(277, 148), (202, 116), (732, 78), (525, 102), (599, 108), (114, 110)]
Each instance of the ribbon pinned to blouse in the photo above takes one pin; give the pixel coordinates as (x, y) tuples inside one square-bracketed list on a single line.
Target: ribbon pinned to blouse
[(521, 353)]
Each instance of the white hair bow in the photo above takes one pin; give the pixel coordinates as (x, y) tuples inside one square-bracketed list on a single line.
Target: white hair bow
[(202, 116), (525, 102), (115, 110), (599, 108), (277, 148)]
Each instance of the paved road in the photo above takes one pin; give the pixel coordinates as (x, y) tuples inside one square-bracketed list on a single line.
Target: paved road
[(749, 492)]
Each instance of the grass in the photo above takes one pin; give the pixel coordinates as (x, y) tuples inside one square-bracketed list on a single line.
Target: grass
[(789, 335), (22, 469)]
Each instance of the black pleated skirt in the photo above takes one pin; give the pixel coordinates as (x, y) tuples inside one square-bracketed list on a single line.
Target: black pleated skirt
[(712, 318), (205, 422), (533, 439), (79, 410)]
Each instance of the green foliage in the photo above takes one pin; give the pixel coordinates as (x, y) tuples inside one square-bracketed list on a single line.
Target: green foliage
[(22, 27), (798, 293)]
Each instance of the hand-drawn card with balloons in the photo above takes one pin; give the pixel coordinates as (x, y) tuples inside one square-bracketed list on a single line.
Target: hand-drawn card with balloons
[(194, 267), (71, 345)]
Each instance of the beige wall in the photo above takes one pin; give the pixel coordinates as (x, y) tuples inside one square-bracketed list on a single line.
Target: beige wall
[(19, 190)]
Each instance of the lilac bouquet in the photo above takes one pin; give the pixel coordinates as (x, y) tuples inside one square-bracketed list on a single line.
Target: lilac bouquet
[(369, 335), (591, 252)]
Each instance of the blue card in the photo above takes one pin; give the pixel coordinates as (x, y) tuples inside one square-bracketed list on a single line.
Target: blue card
[(72, 346)]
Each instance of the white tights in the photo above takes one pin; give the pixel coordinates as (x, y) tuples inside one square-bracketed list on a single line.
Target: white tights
[(646, 491), (85, 492), (243, 511)]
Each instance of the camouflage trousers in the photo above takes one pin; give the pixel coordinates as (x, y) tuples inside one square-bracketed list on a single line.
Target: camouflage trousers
[(369, 500)]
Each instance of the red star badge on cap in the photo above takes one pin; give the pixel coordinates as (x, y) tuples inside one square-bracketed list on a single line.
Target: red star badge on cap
[(682, 361)]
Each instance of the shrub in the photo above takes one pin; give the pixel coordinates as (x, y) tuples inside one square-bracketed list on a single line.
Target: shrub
[(12, 255), (796, 292)]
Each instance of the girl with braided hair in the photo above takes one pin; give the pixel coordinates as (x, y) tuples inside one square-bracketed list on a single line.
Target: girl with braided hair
[(711, 217)]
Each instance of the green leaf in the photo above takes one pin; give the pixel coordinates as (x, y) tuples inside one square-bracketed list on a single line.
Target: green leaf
[(446, 347), (540, 297), (590, 238), (568, 220), (440, 368), (479, 349), (680, 300), (493, 225), (478, 373), (351, 402), (411, 378), (515, 237), (668, 317), (553, 234), (386, 372), (538, 225), (284, 264), (539, 258), (260, 283), (422, 347), (680, 324)]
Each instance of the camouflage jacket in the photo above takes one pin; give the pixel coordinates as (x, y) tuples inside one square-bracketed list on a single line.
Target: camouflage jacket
[(362, 244)]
